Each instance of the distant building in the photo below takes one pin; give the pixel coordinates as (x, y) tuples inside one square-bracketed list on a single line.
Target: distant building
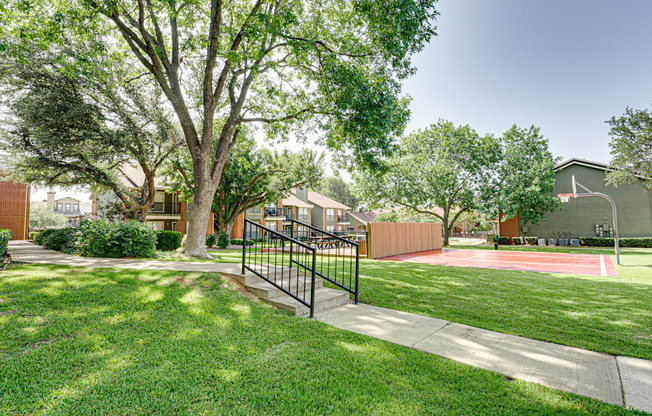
[(14, 208), (73, 209), (358, 221), (589, 216)]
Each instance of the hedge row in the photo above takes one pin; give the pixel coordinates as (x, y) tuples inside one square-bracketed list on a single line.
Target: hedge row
[(5, 236), (644, 242), (108, 239), (238, 242), (168, 240)]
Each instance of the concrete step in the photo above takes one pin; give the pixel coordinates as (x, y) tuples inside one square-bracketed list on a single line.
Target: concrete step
[(249, 277), (324, 299), (264, 289)]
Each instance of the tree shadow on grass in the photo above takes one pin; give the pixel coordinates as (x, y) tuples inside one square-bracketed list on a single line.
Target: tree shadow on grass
[(180, 343)]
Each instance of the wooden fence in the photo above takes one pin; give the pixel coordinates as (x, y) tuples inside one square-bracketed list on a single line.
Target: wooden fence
[(391, 239)]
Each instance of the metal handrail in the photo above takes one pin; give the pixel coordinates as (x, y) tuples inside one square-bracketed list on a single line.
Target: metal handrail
[(334, 280), (279, 236)]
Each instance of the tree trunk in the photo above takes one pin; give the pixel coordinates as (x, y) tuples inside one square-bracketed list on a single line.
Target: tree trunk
[(199, 215)]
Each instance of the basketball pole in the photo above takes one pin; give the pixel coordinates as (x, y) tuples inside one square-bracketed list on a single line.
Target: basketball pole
[(613, 211)]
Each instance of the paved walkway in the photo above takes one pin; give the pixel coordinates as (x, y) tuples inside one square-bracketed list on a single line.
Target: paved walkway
[(589, 264), (26, 252), (623, 381)]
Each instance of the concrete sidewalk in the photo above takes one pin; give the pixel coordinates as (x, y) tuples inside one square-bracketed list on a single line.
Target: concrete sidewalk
[(27, 252), (623, 381)]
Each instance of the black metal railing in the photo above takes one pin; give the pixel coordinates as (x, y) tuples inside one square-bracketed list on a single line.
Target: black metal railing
[(165, 208), (342, 219), (339, 257), (278, 212), (266, 257)]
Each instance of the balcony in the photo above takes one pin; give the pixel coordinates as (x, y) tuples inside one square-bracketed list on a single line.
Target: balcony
[(272, 213), (342, 219), (165, 208)]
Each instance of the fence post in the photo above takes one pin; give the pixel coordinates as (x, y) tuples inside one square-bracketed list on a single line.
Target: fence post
[(244, 245), (357, 270), (312, 283)]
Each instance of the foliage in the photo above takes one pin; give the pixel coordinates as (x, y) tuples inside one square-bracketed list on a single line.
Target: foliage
[(631, 144), (32, 235), (41, 216), (167, 240), (296, 69), (5, 236), (239, 242), (210, 240), (503, 241), (447, 171), (523, 178), (61, 240), (42, 236), (387, 216), (114, 240), (77, 130), (437, 171), (223, 240), (531, 241), (252, 177), (642, 242), (339, 190), (516, 241)]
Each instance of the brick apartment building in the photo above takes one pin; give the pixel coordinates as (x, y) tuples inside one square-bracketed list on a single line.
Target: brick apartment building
[(14, 208)]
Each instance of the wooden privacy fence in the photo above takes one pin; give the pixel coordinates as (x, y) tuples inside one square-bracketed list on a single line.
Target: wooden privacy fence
[(391, 239)]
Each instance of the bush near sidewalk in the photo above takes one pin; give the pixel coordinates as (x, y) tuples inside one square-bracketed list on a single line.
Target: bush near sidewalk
[(61, 240), (5, 236), (106, 239), (168, 240)]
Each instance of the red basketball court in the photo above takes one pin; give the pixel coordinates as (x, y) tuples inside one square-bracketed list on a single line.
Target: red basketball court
[(590, 264)]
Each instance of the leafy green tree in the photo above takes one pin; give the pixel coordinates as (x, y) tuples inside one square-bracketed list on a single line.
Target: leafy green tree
[(631, 148), (446, 172), (388, 216), (251, 177), (438, 171), (338, 189), (293, 67), (523, 178), (69, 130), (41, 216)]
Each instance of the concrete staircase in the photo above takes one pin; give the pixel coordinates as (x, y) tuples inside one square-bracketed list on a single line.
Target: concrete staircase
[(325, 298)]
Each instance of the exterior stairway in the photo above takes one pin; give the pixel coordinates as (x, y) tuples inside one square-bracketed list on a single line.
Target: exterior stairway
[(325, 298)]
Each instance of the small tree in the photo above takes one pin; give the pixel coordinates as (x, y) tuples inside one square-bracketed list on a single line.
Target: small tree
[(631, 148), (338, 189), (251, 177), (41, 216)]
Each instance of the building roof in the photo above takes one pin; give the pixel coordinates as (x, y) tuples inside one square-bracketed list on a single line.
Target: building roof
[(325, 202), (363, 217), (293, 201), (66, 197), (136, 175), (582, 162)]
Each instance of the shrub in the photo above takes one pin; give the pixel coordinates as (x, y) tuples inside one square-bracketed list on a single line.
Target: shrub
[(210, 240), (32, 235), (503, 241), (223, 239), (531, 241), (61, 240), (40, 238), (239, 242), (5, 236), (168, 240), (516, 241), (644, 242), (104, 239)]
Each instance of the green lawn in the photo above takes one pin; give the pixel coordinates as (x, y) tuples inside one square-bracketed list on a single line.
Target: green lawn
[(606, 314), (82, 341)]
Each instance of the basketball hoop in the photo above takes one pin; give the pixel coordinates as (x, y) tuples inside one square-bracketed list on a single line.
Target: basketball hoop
[(565, 197)]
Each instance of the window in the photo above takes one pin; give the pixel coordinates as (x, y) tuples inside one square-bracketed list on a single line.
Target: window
[(304, 214), (59, 206), (75, 207), (67, 207), (271, 225), (330, 228), (330, 214)]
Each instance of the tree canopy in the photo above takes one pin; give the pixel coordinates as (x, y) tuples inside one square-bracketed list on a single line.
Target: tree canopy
[(631, 148), (447, 171), (42, 216), (338, 189), (329, 69)]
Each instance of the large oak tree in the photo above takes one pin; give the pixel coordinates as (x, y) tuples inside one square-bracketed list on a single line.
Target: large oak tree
[(331, 68)]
